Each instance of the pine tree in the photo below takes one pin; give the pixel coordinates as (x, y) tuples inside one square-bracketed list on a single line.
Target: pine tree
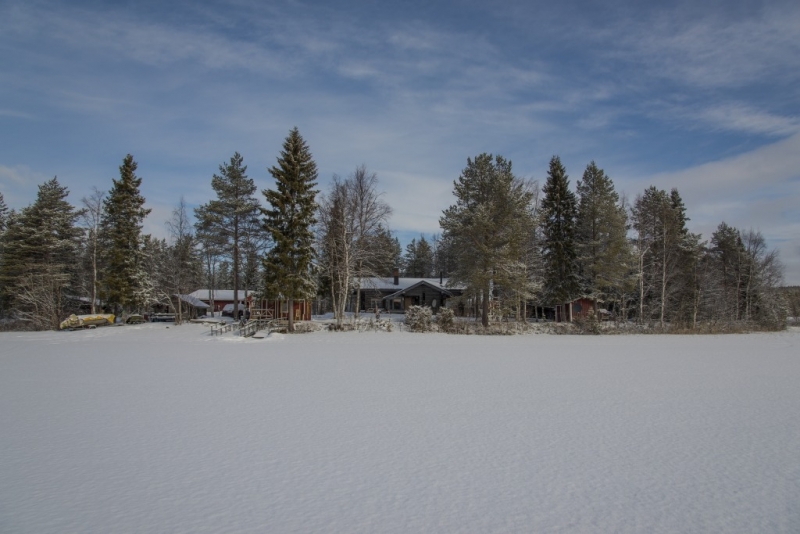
[(123, 216), (729, 259), (558, 215), (40, 256), (289, 221), (224, 275), (601, 239), (228, 222), (489, 226), (441, 253), (666, 254)]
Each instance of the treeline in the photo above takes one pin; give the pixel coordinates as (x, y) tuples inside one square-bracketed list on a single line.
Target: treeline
[(514, 246), (516, 243)]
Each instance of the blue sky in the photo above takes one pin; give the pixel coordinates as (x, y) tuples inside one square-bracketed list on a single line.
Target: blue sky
[(702, 96)]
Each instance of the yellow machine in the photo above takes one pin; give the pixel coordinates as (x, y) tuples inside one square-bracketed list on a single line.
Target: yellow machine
[(85, 321)]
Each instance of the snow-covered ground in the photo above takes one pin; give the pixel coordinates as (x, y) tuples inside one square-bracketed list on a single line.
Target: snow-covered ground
[(155, 429)]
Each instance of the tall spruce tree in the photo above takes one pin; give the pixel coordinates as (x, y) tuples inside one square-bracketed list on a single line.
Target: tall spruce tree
[(689, 251), (419, 258), (124, 277), (601, 240), (729, 259), (3, 213), (441, 253), (558, 217), (226, 223), (659, 219), (488, 227), (389, 255), (289, 220), (39, 262)]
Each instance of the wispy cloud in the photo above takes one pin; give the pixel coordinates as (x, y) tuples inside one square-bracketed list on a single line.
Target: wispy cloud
[(741, 117), (410, 93), (758, 189), (710, 50), (11, 113), (115, 35), (701, 67), (19, 184)]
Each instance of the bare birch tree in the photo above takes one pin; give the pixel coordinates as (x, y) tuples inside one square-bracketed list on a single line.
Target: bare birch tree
[(92, 215), (370, 214), (351, 236), (182, 256)]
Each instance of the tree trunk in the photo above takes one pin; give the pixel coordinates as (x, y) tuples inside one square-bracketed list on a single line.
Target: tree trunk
[(94, 271), (485, 310), (235, 271), (290, 326), (641, 288), (335, 302), (179, 319)]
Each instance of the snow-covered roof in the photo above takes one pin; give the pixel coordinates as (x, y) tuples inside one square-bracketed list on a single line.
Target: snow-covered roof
[(193, 301), (387, 284), (219, 294), (424, 282)]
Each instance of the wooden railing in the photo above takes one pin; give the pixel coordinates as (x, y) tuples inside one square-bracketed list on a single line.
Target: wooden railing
[(253, 326), (222, 328), (257, 322)]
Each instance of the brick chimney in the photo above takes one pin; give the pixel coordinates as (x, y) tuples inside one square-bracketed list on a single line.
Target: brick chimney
[(396, 274)]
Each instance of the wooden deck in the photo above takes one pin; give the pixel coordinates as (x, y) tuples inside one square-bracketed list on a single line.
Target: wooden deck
[(259, 320)]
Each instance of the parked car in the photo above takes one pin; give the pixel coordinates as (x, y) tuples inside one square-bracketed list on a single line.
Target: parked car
[(227, 311)]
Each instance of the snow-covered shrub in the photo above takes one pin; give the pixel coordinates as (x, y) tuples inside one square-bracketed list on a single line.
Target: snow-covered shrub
[(344, 327), (305, 327), (445, 319), (772, 312), (419, 319), (587, 325)]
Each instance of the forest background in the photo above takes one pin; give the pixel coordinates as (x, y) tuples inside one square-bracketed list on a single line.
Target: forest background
[(505, 240)]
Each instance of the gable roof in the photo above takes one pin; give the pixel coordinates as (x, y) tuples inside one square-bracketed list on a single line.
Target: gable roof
[(421, 283), (193, 301), (379, 283), (219, 294)]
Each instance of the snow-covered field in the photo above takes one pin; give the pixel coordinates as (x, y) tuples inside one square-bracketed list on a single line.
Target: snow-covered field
[(155, 429)]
